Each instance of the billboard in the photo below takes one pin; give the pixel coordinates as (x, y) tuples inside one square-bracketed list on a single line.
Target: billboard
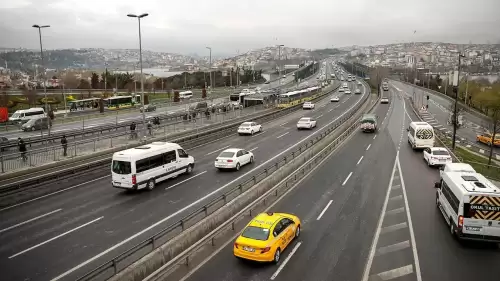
[(292, 66)]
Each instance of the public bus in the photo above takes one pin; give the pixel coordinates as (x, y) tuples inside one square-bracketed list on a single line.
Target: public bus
[(239, 98), (298, 96), (122, 102), (84, 104)]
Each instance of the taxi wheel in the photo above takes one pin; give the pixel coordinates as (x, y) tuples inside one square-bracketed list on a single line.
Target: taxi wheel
[(297, 231), (277, 255)]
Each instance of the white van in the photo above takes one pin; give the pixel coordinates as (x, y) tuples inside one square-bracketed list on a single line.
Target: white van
[(145, 166), (420, 135), (24, 115), (186, 95), (470, 204), (456, 167)]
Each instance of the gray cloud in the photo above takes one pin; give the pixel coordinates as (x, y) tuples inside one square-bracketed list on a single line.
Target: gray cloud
[(227, 26)]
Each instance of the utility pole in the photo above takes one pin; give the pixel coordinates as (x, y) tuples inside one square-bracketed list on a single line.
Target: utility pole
[(456, 85), (39, 27), (105, 76), (279, 62)]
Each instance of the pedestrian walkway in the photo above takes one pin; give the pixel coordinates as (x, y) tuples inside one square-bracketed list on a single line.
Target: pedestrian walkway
[(43, 156)]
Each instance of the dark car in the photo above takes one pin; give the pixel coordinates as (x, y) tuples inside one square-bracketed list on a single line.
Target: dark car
[(149, 107), (36, 124)]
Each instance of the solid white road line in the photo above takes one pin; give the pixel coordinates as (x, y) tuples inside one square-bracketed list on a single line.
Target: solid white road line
[(319, 116), (282, 135), (284, 124), (54, 238), (255, 148), (359, 161), (286, 261), (324, 210), (50, 194), (119, 244), (217, 150), (369, 146), (375, 136), (30, 220), (345, 181), (181, 182)]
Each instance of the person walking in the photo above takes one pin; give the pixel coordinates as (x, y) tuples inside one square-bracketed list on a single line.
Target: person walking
[(133, 134), (150, 128), (64, 143), (22, 149)]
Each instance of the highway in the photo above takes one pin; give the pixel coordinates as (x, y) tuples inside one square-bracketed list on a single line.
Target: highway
[(368, 213), (439, 111), (68, 233)]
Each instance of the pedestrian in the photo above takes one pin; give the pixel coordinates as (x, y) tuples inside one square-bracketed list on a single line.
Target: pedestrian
[(22, 149), (133, 134), (150, 128), (64, 143)]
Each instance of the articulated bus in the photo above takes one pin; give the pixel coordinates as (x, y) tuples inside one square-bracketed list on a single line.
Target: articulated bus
[(299, 96), (84, 104), (122, 102), (239, 98)]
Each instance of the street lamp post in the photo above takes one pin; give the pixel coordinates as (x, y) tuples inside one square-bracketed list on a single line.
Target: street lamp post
[(39, 27), (279, 62), (139, 17), (210, 69), (455, 90)]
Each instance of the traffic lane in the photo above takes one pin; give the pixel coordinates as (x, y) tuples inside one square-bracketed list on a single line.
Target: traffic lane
[(441, 256), (207, 150), (104, 120), (352, 209), (128, 218)]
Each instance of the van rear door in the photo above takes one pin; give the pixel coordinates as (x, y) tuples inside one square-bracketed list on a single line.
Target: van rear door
[(482, 215), (121, 174)]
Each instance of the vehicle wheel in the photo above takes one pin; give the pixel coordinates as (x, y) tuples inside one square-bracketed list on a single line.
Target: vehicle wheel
[(489, 143), (251, 160), (189, 169), (251, 133), (240, 134), (437, 200), (151, 184), (32, 128), (297, 232), (452, 228), (237, 166), (260, 130), (277, 255)]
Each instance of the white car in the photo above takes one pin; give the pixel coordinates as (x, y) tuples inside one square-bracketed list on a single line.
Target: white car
[(249, 128), (384, 100), (335, 99), (341, 90), (233, 158), (308, 105), (437, 156), (306, 123), (357, 91), (347, 92)]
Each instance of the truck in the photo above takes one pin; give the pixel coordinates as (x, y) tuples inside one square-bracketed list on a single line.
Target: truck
[(369, 123), (385, 86)]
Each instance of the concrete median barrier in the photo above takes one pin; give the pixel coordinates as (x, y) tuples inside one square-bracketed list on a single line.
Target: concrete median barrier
[(179, 249)]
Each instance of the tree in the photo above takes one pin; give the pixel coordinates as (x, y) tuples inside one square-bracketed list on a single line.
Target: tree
[(94, 80), (84, 84), (70, 81), (31, 97)]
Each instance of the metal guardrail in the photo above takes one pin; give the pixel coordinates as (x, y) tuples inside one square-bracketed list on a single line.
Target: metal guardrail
[(174, 229), (204, 135), (310, 162)]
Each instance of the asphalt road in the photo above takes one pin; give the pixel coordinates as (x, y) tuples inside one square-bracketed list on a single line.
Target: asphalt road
[(338, 204), (378, 223), (93, 222), (439, 112)]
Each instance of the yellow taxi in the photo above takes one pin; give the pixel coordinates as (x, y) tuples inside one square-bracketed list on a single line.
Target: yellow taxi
[(487, 138), (266, 236)]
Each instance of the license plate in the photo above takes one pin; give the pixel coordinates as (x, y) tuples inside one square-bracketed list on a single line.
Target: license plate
[(118, 183), (248, 249)]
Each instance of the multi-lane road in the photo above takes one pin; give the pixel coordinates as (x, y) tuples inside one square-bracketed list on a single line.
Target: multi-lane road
[(68, 233), (368, 213), (439, 112)]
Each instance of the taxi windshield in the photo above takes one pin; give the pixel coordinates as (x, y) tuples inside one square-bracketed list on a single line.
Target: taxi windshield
[(256, 233)]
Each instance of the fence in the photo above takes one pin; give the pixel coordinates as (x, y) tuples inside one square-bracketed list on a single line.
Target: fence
[(178, 227), (40, 156)]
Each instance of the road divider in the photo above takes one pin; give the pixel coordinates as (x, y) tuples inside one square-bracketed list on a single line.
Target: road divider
[(219, 213)]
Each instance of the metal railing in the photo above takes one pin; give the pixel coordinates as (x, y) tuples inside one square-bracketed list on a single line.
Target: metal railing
[(148, 245), (46, 154)]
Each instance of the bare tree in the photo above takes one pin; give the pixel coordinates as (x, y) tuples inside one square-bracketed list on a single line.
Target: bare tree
[(31, 96)]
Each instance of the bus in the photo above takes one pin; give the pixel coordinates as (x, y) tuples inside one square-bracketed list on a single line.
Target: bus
[(122, 102), (84, 104), (238, 99), (295, 97)]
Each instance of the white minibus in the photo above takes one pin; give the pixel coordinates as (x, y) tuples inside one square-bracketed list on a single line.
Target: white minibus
[(145, 166), (186, 95), (470, 204), (24, 115), (420, 135)]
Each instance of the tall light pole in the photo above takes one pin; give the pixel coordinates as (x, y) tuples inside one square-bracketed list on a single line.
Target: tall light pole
[(139, 17), (279, 62), (39, 27), (210, 69), (455, 89)]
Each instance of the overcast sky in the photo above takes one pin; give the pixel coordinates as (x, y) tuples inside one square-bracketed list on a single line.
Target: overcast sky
[(227, 25)]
